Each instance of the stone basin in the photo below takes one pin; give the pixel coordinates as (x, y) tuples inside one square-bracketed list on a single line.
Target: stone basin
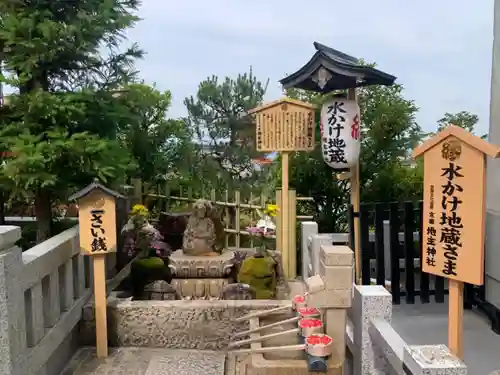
[(180, 324)]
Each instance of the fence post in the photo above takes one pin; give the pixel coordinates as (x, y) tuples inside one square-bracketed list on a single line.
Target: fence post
[(307, 230), (292, 234), (370, 302), (137, 193), (279, 230), (12, 314), (387, 249)]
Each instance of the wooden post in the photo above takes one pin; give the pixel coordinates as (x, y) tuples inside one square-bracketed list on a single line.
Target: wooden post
[(101, 326), (454, 216), (292, 238), (285, 249), (456, 317), (97, 221), (237, 208), (137, 193), (284, 125), (355, 201), (279, 222)]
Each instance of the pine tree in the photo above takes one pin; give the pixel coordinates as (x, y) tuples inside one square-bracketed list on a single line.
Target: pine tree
[(64, 60)]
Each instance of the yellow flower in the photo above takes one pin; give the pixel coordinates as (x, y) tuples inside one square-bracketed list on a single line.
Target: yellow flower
[(139, 209), (272, 210)]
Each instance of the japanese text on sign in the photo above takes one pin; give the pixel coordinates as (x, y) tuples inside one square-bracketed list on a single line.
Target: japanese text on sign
[(451, 222), (340, 133), (97, 231), (335, 150)]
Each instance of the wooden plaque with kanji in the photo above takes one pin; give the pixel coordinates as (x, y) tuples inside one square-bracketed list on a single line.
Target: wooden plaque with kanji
[(284, 125), (97, 217)]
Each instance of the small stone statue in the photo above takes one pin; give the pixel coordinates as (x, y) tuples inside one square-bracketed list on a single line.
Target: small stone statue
[(200, 236)]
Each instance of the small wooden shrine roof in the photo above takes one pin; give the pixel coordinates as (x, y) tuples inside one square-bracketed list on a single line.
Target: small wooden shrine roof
[(93, 186), (346, 72), (463, 135)]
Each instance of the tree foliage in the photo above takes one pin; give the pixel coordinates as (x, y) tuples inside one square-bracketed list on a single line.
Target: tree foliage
[(389, 132), (463, 119), (158, 145), (224, 135), (63, 59)]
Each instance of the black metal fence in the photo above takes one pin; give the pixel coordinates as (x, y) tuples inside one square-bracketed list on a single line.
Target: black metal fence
[(401, 244)]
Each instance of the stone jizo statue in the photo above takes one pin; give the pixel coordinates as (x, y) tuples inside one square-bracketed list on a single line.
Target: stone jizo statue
[(200, 235)]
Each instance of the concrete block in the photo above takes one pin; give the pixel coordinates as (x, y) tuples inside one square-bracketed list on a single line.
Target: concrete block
[(317, 241), (332, 255), (12, 312), (307, 229), (314, 284), (336, 277), (432, 360), (9, 235), (341, 298), (335, 327), (370, 302)]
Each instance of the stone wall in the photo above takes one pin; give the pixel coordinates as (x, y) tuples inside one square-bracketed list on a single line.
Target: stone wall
[(195, 324)]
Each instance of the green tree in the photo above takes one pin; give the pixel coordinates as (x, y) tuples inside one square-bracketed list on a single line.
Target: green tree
[(463, 119), (63, 59), (224, 135), (158, 145), (389, 132)]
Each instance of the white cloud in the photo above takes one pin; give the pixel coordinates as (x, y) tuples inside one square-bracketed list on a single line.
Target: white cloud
[(440, 50)]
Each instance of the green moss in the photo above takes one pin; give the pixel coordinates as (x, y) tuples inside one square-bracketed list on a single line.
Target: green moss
[(260, 274), (150, 263), (146, 270)]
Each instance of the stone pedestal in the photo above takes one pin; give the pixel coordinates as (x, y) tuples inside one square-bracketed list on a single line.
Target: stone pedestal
[(188, 266), (12, 315), (331, 291)]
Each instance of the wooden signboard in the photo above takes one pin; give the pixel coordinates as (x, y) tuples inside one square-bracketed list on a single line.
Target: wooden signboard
[(454, 215), (97, 232), (284, 125), (97, 218)]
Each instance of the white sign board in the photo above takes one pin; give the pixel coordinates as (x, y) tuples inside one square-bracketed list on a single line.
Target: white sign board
[(340, 133)]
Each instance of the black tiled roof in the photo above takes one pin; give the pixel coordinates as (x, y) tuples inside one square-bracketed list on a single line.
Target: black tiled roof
[(346, 72)]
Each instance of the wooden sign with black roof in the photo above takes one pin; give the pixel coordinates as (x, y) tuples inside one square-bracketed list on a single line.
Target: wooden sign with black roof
[(97, 222), (97, 218)]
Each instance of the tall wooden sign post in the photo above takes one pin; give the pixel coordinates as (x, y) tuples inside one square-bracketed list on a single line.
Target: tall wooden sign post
[(454, 216), (97, 219), (285, 125)]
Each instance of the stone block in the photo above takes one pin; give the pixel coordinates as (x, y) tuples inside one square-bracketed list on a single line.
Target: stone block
[(336, 277), (370, 302), (332, 255), (12, 303), (432, 360), (189, 266), (307, 229), (341, 298), (9, 235), (315, 284), (335, 327)]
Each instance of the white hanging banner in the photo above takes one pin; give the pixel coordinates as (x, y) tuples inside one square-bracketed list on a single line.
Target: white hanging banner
[(340, 133)]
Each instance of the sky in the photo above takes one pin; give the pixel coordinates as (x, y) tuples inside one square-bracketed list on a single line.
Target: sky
[(440, 50)]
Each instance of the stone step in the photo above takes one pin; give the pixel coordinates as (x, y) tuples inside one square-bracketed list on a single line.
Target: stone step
[(146, 361)]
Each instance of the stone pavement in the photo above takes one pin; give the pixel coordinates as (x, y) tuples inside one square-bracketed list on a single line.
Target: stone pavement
[(420, 324), (146, 361)]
